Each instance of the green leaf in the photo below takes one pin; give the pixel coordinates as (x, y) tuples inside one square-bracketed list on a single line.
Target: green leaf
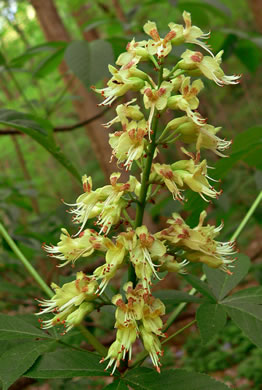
[(248, 317), (148, 379), (222, 283), (18, 359), (67, 363), (197, 9), (49, 64), (200, 286), (41, 131), (247, 146), (211, 318), (46, 47), (118, 45), (89, 60), (117, 385), (171, 297), (248, 295), (215, 7), (249, 54), (13, 327)]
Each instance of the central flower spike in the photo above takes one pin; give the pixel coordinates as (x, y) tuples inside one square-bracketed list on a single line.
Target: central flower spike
[(199, 243), (138, 313), (208, 66), (188, 100), (146, 250), (70, 303)]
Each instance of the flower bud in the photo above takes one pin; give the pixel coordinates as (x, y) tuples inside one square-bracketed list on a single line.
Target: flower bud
[(135, 83), (168, 263), (198, 257), (77, 316)]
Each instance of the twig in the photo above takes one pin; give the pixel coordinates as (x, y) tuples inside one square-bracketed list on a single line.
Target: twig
[(60, 128)]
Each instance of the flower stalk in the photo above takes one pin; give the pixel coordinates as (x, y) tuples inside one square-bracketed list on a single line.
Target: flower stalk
[(137, 312), (25, 262)]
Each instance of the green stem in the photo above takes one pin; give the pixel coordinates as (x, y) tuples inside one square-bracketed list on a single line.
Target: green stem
[(247, 216), (42, 284), (144, 183), (172, 71), (151, 195), (152, 58), (243, 223), (129, 220), (141, 357), (145, 176), (179, 331), (25, 262)]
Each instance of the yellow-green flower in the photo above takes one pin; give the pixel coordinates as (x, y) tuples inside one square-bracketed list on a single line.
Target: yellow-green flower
[(188, 100), (164, 173), (169, 263), (152, 345), (156, 99), (199, 243), (114, 259), (138, 306), (133, 50), (129, 145), (203, 136), (153, 309), (189, 33), (127, 331), (124, 112), (183, 174), (106, 202), (127, 78), (156, 45), (67, 299), (194, 176), (147, 249), (208, 66), (70, 249)]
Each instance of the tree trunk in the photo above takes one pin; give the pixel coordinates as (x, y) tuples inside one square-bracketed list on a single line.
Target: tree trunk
[(256, 7), (86, 106), (81, 15)]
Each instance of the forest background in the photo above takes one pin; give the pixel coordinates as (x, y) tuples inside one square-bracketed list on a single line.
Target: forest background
[(51, 53)]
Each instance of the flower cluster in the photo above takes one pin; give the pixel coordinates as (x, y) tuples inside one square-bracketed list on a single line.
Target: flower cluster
[(140, 308), (199, 244), (71, 303), (135, 141)]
